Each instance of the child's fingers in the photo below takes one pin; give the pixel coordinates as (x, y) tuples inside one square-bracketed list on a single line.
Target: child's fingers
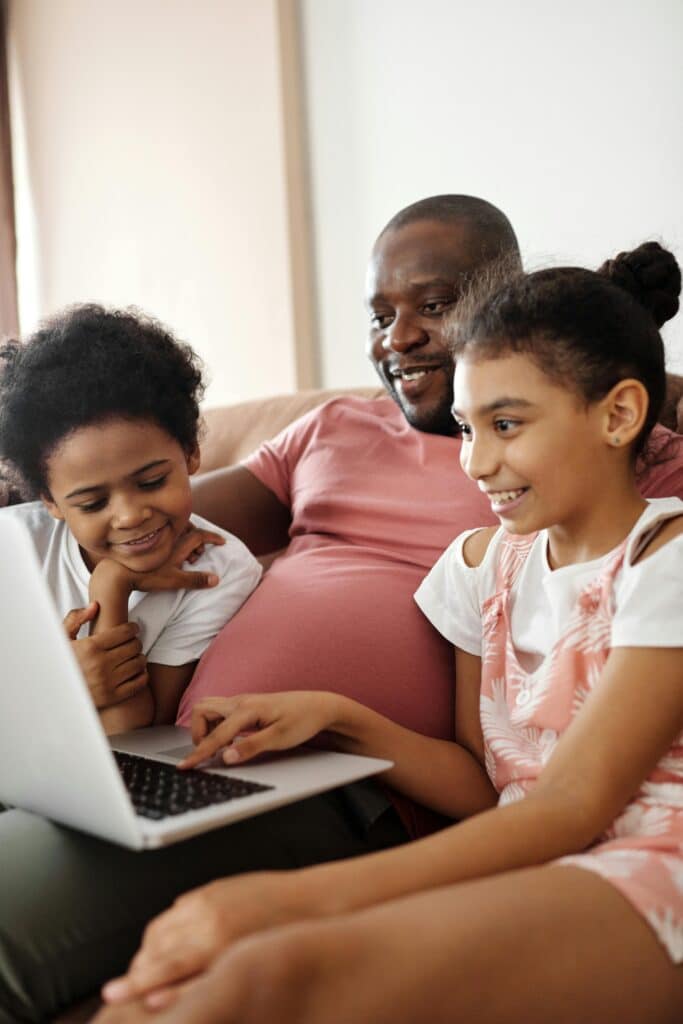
[(192, 543), (173, 578), (131, 687), (163, 997), (77, 617), (244, 748), (221, 736), (127, 671), (161, 976), (207, 713), (196, 580)]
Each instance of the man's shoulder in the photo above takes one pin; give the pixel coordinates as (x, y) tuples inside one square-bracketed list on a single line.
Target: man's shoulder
[(661, 475), (380, 407), (340, 416)]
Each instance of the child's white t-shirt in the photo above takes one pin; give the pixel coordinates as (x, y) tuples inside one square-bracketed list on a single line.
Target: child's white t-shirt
[(646, 595), (176, 626)]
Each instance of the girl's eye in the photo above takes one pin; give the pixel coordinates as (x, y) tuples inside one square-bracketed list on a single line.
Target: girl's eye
[(150, 485), (381, 320), (464, 430), (504, 426)]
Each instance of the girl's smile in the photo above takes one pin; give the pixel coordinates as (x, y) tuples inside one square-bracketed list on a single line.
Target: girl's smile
[(123, 489), (506, 501)]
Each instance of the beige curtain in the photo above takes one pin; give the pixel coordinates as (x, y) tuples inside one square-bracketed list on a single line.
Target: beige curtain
[(8, 240)]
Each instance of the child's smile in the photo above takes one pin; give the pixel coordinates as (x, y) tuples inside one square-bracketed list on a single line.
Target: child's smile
[(123, 489)]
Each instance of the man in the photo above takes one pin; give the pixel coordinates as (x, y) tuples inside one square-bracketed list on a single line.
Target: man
[(370, 493)]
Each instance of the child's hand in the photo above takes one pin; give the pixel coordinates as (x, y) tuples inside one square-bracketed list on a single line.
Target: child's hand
[(111, 581), (190, 545), (274, 721), (112, 662), (186, 939)]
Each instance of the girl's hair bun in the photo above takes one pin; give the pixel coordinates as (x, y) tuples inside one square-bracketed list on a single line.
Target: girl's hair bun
[(651, 275)]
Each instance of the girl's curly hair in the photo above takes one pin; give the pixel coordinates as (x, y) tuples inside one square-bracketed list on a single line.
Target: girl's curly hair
[(87, 365)]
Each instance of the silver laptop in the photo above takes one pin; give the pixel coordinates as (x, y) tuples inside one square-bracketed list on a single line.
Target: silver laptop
[(55, 759)]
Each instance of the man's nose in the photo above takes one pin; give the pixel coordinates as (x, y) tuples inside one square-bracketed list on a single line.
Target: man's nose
[(404, 334)]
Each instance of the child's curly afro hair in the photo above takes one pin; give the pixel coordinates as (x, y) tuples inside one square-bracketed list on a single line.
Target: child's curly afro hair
[(88, 365)]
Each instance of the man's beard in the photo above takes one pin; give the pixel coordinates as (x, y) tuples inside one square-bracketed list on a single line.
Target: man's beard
[(434, 418), (437, 420)]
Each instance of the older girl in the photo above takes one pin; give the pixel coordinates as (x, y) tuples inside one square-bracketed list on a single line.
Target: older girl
[(564, 902)]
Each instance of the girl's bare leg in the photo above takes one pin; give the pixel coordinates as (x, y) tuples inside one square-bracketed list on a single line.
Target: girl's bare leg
[(545, 944)]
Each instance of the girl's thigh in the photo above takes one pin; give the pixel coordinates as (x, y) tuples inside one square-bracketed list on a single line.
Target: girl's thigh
[(553, 944)]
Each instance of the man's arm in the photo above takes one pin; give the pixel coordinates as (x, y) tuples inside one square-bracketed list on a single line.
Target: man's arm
[(237, 501)]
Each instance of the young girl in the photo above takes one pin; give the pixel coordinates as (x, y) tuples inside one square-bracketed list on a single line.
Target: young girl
[(564, 902), (99, 414)]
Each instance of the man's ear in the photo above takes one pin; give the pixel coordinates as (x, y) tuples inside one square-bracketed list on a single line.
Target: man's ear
[(625, 409), (193, 460), (50, 505)]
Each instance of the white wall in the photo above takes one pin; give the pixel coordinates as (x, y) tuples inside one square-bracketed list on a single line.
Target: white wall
[(567, 115), (149, 157)]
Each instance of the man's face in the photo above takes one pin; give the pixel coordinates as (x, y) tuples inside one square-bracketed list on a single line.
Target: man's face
[(416, 275)]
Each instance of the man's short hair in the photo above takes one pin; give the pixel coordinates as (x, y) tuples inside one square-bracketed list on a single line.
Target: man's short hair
[(489, 226)]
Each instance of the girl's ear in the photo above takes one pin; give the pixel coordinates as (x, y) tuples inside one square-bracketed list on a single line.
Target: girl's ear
[(50, 505), (626, 408), (193, 460)]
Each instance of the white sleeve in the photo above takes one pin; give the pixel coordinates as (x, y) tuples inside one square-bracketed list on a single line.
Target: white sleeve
[(649, 600), (200, 614), (449, 597)]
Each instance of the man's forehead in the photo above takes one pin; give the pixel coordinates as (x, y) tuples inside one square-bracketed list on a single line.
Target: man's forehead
[(421, 253)]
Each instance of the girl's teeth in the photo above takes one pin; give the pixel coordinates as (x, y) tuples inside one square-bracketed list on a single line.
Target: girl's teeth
[(503, 497)]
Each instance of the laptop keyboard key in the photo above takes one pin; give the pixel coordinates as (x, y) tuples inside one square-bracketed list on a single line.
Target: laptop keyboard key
[(158, 790)]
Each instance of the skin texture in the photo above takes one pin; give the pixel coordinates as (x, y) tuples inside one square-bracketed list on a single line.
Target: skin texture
[(416, 274), (114, 483)]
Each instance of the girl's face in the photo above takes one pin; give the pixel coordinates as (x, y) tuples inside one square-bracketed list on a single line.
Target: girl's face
[(123, 489), (536, 449)]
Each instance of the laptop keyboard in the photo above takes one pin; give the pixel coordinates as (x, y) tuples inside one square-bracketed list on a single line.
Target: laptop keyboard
[(159, 790)]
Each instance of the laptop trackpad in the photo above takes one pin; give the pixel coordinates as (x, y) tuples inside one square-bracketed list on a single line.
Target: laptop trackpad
[(177, 753)]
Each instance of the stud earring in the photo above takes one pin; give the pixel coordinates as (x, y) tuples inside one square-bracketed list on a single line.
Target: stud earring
[(616, 440)]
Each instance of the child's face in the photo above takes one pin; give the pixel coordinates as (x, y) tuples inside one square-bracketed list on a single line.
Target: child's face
[(123, 489), (535, 448)]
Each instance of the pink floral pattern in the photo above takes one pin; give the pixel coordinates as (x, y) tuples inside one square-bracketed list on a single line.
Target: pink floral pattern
[(523, 714)]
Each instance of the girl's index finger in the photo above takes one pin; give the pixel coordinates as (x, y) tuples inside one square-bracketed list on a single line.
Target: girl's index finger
[(203, 752), (222, 736)]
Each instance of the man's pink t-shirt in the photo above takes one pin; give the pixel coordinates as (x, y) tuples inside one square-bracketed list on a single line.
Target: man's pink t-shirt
[(374, 504)]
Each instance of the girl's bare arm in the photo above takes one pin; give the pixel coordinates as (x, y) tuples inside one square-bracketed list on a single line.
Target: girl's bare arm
[(627, 724)]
